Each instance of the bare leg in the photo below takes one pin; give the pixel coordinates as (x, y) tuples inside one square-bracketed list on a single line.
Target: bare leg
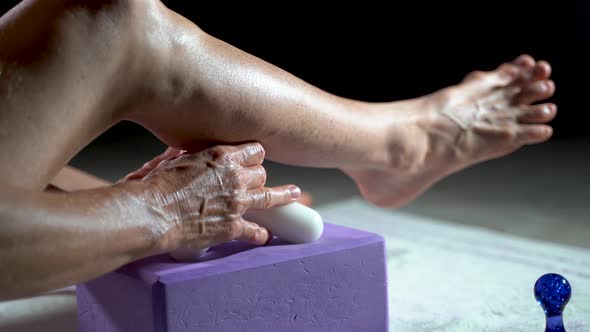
[(73, 68), (199, 90), (67, 69), (60, 82)]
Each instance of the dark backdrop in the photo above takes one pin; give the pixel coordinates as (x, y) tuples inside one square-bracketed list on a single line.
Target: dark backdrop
[(401, 49)]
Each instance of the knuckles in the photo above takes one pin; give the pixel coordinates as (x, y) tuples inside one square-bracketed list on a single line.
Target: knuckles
[(236, 204), (254, 149), (220, 154), (214, 176), (235, 228), (264, 197), (234, 177), (261, 172)]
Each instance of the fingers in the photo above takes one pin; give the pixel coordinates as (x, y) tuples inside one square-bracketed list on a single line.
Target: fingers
[(255, 177), (306, 199), (214, 233), (151, 165), (250, 154), (537, 114), (265, 198), (170, 153), (253, 233)]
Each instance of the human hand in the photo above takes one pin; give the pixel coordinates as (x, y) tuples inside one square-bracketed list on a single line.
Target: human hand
[(197, 200), (152, 164), (306, 198)]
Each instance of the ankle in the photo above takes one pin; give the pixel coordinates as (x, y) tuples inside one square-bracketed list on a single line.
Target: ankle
[(408, 136)]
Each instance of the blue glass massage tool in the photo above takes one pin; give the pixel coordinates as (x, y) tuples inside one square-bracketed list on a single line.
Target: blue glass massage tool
[(553, 292)]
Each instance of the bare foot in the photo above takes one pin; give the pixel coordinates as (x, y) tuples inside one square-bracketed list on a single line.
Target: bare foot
[(488, 115)]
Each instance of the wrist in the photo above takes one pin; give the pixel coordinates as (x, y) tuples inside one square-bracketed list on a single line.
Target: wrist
[(134, 199), (158, 227)]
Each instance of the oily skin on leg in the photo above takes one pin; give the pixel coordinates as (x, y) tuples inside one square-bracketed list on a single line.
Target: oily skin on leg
[(60, 87), (73, 68), (203, 90), (194, 91)]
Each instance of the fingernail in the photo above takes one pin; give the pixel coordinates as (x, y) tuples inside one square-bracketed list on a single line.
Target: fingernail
[(295, 192), (270, 238)]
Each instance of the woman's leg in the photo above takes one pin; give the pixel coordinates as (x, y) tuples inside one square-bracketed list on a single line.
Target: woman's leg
[(72, 68), (66, 70), (199, 90)]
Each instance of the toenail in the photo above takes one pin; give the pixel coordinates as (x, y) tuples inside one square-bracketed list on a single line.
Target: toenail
[(544, 87), (547, 110), (547, 85)]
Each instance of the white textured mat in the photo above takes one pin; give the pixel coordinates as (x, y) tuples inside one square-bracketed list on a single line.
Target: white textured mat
[(55, 312), (446, 277)]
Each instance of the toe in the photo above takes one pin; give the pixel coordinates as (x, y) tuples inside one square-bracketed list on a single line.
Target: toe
[(534, 134), (537, 114), (542, 71), (524, 61), (538, 72), (509, 70), (480, 81), (534, 92)]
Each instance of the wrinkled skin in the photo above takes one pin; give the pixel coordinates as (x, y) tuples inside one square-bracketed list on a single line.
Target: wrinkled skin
[(70, 69), (198, 199), (490, 114)]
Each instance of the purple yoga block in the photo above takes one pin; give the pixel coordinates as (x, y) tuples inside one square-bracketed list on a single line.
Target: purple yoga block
[(338, 283)]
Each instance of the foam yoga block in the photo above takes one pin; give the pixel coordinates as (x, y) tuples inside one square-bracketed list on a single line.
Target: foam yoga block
[(337, 283)]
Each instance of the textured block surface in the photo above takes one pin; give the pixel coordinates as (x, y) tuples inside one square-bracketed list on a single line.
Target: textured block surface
[(338, 283)]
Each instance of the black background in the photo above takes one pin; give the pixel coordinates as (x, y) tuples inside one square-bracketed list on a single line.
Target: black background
[(381, 51)]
